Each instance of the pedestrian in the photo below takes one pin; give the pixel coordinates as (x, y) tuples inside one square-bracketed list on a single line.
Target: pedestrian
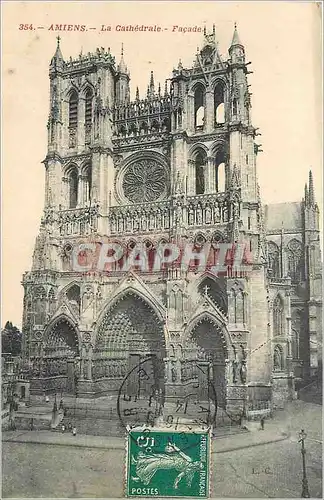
[(63, 428), (262, 419), (70, 426), (31, 425), (74, 431), (47, 399), (61, 407)]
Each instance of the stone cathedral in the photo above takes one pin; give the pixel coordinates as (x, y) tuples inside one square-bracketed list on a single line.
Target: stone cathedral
[(177, 165)]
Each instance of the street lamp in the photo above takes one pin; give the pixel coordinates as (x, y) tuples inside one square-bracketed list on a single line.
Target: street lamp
[(305, 492)]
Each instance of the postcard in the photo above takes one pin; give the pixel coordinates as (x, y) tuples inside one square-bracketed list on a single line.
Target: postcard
[(162, 249)]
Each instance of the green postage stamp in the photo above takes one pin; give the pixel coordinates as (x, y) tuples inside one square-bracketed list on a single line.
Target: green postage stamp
[(168, 464)]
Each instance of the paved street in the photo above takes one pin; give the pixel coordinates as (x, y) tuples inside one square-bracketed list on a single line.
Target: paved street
[(265, 471)]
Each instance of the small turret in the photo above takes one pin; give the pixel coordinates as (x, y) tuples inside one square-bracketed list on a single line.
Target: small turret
[(122, 80), (122, 68), (236, 50), (57, 61)]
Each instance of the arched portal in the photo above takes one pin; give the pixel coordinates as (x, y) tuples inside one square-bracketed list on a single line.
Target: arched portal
[(206, 339), (129, 334), (61, 356)]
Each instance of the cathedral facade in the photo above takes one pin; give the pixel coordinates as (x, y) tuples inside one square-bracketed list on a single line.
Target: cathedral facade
[(176, 166)]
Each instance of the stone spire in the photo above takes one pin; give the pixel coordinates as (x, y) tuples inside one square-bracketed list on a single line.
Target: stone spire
[(137, 94), (122, 68), (236, 39), (151, 86), (57, 60), (311, 196)]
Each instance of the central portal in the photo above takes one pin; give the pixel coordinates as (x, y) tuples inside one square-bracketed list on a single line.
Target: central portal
[(131, 344)]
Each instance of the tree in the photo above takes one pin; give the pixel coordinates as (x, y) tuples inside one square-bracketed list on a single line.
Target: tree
[(11, 339)]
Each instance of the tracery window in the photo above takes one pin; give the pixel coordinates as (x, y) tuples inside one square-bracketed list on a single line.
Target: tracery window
[(278, 310), (296, 327), (237, 306), (273, 259), (144, 181), (73, 119), (294, 260)]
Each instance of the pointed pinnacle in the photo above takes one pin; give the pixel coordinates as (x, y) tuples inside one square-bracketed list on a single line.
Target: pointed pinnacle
[(137, 94), (311, 196), (165, 88), (152, 81), (306, 194)]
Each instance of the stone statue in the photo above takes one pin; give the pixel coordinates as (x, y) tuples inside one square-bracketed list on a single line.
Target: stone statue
[(228, 371), (235, 370), (277, 361), (173, 372), (243, 371)]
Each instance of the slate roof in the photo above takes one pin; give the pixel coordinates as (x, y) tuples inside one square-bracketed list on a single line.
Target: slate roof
[(287, 216)]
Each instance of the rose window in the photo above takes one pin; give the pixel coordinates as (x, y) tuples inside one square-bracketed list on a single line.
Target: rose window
[(144, 181)]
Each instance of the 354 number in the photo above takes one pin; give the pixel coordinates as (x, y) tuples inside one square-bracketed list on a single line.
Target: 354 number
[(26, 27)]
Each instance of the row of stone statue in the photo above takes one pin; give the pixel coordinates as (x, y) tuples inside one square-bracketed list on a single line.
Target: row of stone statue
[(49, 367), (235, 371), (140, 221), (78, 227), (109, 368)]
